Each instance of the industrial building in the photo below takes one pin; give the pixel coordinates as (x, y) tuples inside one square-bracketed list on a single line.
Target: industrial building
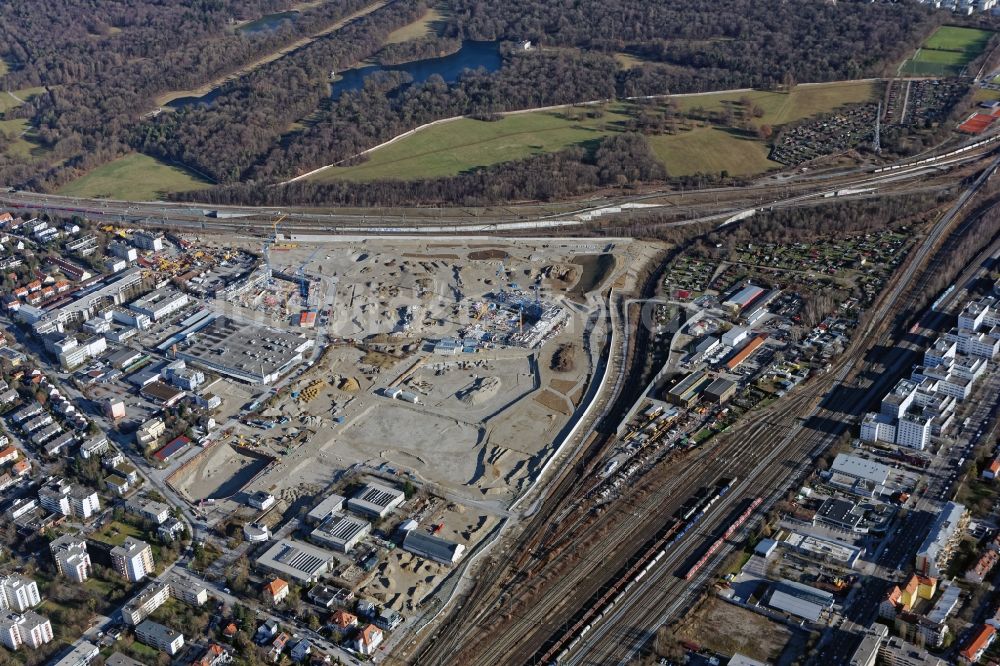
[(247, 352), (376, 500), (329, 506), (341, 532), (431, 547), (742, 298), (800, 600), (857, 475), (737, 359), (296, 560), (687, 391), (840, 514), (160, 304), (720, 391)]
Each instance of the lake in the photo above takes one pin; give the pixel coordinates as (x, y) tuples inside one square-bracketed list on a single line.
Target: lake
[(267, 23), (472, 55)]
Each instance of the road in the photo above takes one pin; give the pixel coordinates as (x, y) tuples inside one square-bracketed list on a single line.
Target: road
[(664, 595), (693, 207), (768, 454)]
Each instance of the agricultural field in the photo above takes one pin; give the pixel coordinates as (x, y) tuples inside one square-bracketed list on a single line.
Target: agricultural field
[(135, 177), (450, 148), (947, 52)]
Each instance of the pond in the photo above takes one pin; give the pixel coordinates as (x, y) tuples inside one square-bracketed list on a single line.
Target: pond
[(472, 55), (267, 23)]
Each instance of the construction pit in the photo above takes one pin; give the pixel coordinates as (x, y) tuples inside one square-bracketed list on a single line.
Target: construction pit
[(484, 415)]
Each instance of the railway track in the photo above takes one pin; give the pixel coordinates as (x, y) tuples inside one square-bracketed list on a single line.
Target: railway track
[(665, 595)]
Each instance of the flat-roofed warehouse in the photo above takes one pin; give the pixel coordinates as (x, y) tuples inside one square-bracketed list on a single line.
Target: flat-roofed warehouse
[(296, 560), (341, 532), (800, 600), (247, 352), (687, 391), (432, 547), (376, 500), (720, 390)]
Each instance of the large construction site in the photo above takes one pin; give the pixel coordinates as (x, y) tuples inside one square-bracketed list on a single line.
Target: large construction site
[(452, 367)]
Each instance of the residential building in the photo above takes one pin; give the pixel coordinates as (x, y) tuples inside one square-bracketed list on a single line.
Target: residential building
[(28, 628), (866, 653), (214, 655), (343, 622), (147, 509), (947, 531), (160, 637), (368, 640), (72, 559), (895, 651), (59, 496), (145, 603), (978, 643), (18, 593), (276, 590), (80, 655), (133, 559)]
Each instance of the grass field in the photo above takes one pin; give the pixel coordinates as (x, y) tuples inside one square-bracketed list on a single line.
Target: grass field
[(947, 51), (780, 108), (428, 24), (9, 101), (116, 532), (20, 147), (711, 150), (451, 148), (626, 61), (953, 38), (135, 177)]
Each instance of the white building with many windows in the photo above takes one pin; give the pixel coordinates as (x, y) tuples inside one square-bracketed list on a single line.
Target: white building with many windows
[(18, 593), (28, 628), (72, 559)]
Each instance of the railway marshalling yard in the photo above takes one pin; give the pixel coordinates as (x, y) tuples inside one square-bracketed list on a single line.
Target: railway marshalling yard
[(478, 415)]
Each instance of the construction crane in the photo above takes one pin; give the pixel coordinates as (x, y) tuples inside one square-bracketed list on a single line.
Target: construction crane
[(304, 290), (268, 242)]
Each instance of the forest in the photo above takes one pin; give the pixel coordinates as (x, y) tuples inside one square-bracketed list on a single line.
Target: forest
[(104, 62)]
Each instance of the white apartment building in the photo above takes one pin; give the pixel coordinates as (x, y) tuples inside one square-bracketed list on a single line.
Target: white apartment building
[(133, 559), (63, 498), (29, 629), (18, 593), (72, 559)]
